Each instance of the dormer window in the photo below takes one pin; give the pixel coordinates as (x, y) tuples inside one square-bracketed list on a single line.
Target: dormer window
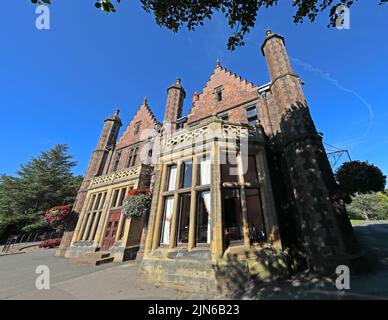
[(218, 93), (137, 127)]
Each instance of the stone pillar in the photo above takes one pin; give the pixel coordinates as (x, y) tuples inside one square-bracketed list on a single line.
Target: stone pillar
[(241, 180), (217, 243), (156, 213), (193, 206)]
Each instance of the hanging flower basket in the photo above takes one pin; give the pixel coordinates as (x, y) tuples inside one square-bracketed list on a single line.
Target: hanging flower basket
[(137, 203), (57, 214)]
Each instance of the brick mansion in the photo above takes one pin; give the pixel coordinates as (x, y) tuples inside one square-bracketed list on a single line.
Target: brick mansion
[(240, 185)]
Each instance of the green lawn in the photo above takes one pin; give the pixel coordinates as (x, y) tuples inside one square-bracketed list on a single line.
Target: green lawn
[(357, 222)]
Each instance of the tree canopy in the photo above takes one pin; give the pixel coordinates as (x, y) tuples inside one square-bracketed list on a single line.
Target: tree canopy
[(241, 15), (43, 182), (362, 177)]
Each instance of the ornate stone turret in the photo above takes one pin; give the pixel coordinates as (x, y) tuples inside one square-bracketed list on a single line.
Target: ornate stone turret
[(325, 235), (175, 97)]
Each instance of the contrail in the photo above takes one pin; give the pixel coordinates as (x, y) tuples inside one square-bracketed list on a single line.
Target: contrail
[(336, 83)]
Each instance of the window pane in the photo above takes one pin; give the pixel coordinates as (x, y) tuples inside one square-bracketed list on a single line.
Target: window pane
[(229, 169), (184, 218), (122, 197), (251, 171), (251, 112), (92, 203), (97, 204), (232, 213), (187, 174), (172, 178), (115, 196), (255, 216), (204, 171), (252, 121), (204, 217), (168, 208)]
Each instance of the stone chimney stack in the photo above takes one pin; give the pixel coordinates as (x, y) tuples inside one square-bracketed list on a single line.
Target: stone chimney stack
[(175, 98), (105, 145)]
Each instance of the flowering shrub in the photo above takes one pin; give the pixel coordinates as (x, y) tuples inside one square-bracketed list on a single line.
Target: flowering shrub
[(137, 203), (57, 214), (52, 243)]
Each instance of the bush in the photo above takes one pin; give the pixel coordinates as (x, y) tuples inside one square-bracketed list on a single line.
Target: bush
[(368, 206)]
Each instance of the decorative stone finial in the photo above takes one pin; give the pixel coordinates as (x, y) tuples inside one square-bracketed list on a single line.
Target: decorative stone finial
[(117, 112), (145, 100), (268, 32), (218, 63), (178, 80)]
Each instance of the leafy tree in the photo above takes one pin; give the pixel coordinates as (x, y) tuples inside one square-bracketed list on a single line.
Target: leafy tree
[(364, 206), (357, 176), (383, 200), (241, 15), (43, 182)]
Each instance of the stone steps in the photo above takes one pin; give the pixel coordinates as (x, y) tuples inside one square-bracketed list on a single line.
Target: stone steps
[(94, 258)]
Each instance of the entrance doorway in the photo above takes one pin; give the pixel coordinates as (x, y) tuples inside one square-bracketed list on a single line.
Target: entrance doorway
[(111, 229)]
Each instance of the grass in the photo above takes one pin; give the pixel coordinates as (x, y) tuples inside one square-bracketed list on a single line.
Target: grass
[(358, 222)]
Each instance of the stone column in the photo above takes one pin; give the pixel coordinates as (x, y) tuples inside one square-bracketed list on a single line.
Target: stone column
[(193, 205), (156, 220), (217, 243), (244, 211), (175, 218)]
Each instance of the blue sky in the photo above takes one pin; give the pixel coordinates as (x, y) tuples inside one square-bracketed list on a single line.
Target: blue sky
[(58, 86)]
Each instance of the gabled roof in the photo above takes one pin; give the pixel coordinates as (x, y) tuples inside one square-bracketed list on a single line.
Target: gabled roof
[(235, 89), (148, 121)]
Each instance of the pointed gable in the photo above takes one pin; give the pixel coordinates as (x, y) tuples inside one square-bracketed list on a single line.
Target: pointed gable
[(146, 121), (223, 90)]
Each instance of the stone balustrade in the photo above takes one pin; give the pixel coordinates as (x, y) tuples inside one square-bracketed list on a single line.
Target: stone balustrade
[(120, 176)]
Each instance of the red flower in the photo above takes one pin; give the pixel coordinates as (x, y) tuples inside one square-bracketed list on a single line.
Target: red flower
[(57, 213), (132, 193)]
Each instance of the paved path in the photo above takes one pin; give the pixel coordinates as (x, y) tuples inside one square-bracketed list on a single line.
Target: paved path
[(70, 281), (119, 281)]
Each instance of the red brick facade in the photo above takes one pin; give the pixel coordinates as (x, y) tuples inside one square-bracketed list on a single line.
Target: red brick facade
[(305, 188)]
